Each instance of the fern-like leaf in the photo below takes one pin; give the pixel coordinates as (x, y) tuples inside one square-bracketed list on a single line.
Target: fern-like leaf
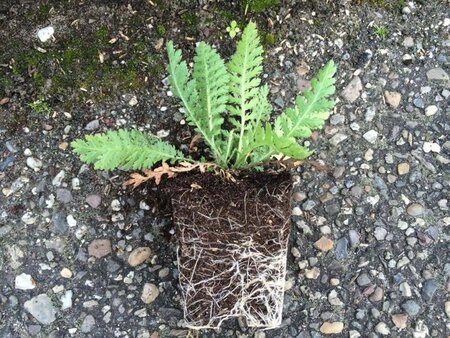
[(311, 109), (245, 67), (124, 149), (211, 78), (186, 90)]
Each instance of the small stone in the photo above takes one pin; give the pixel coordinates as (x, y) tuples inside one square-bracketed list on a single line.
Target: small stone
[(370, 113), (163, 273), (332, 327), (363, 279), (66, 300), (382, 329), (341, 251), (93, 200), (338, 138), (308, 205), (415, 210), (407, 59), (447, 309), (93, 125), (66, 273), (88, 324), (403, 262), (57, 180), (418, 102), (41, 308), (431, 146), (295, 252), (405, 289), (63, 195), (60, 225), (34, 163), (437, 74), (431, 110), (71, 221), (99, 248), (400, 320), (133, 101), (392, 98), (324, 244), (377, 295), (45, 33), (403, 168), (411, 307), (408, 42), (428, 289), (24, 282), (371, 136), (297, 211), (334, 281), (352, 91), (299, 196), (312, 273), (380, 233), (149, 293), (139, 256)]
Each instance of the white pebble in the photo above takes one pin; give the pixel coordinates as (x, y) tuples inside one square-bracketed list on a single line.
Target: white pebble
[(24, 282), (45, 33)]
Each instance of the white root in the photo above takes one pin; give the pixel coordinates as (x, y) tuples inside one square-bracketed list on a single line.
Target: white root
[(252, 277)]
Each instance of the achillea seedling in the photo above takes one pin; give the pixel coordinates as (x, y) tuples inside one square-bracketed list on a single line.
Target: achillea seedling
[(226, 104)]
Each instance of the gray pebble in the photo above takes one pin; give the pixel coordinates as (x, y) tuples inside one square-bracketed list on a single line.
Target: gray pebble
[(88, 324), (332, 209), (93, 200), (41, 308), (93, 125), (428, 289), (341, 250), (380, 233), (60, 225), (363, 279), (437, 74), (415, 209), (411, 307), (63, 195), (309, 205), (418, 102), (4, 230), (354, 238)]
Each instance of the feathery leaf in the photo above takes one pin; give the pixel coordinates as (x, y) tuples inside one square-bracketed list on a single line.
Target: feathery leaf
[(124, 149)]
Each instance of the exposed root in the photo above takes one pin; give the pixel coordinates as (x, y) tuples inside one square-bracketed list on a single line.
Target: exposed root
[(232, 253)]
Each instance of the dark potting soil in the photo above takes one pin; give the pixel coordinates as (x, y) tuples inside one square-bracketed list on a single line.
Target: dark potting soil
[(232, 245)]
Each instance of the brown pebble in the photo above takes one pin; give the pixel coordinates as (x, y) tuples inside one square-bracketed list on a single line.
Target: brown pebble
[(332, 327), (139, 256), (400, 320), (377, 295), (99, 248), (324, 244)]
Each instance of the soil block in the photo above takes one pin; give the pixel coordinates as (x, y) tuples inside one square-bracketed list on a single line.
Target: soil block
[(233, 238)]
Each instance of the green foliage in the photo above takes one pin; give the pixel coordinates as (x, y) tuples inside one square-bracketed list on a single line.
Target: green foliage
[(124, 149), (380, 32), (228, 107), (233, 29), (257, 6), (40, 107)]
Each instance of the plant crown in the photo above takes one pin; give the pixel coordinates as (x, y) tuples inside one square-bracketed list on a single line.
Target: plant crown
[(228, 107)]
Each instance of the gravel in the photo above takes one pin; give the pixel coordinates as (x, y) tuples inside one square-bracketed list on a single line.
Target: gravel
[(376, 186)]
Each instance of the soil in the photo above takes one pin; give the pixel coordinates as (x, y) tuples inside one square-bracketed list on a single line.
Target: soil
[(228, 230)]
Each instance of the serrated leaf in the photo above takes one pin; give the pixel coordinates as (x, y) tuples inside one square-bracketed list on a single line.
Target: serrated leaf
[(124, 149)]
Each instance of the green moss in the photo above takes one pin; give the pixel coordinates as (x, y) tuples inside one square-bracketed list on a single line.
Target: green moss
[(268, 39), (191, 20), (40, 107), (258, 6), (161, 30), (102, 35)]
